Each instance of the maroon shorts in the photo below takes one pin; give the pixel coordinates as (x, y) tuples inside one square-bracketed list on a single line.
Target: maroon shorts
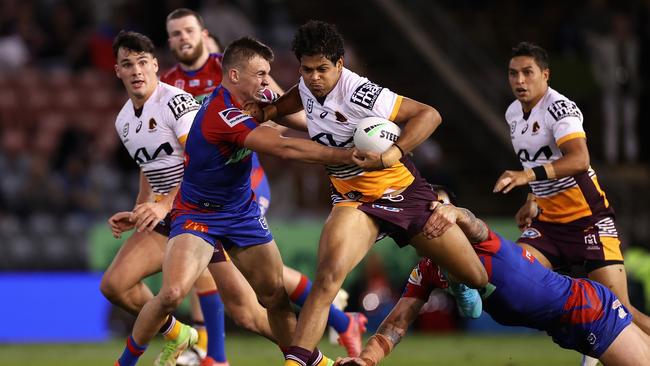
[(219, 254), (591, 242), (402, 216)]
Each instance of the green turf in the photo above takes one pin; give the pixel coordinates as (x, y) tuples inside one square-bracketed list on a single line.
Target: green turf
[(448, 350)]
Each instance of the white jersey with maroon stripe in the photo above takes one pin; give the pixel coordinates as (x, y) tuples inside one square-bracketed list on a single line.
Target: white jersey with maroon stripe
[(153, 136), (333, 122), (536, 139)]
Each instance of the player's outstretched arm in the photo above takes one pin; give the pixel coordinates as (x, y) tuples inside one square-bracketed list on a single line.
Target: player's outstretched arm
[(388, 335), (267, 140), (287, 104), (574, 160)]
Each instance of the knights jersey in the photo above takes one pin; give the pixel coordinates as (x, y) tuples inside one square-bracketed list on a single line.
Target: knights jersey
[(200, 83), (548, 296), (333, 122), (536, 140), (217, 165), (154, 135)]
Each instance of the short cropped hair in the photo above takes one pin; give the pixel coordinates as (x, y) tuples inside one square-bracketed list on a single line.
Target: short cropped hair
[(243, 50), (133, 41), (185, 12), (532, 50), (318, 38)]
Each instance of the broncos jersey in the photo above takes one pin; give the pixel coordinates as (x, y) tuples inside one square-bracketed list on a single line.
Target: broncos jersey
[(332, 122), (200, 83), (536, 139), (153, 135)]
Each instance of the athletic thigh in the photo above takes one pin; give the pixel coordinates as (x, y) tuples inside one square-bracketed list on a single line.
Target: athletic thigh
[(186, 257), (140, 256), (614, 278), (630, 348), (347, 236), (236, 293), (453, 252), (260, 264)]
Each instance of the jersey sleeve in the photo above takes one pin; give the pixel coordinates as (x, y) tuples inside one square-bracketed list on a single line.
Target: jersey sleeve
[(228, 125), (183, 108), (367, 99), (424, 278), (565, 120)]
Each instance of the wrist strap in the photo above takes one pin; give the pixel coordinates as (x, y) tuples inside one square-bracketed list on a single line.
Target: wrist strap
[(540, 173), (400, 149)]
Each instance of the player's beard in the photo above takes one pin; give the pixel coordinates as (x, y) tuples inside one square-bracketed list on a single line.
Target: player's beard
[(192, 57)]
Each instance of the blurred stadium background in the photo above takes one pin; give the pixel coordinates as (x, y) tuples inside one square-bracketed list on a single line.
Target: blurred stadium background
[(64, 172)]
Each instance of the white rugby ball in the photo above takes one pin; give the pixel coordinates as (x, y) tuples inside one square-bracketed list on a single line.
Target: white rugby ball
[(375, 134)]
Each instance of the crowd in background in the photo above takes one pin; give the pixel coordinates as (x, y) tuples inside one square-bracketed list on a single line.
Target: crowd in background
[(63, 166)]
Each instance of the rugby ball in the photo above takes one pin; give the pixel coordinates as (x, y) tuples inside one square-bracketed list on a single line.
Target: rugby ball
[(375, 134)]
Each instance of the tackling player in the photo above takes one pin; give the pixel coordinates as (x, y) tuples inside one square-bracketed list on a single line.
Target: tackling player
[(199, 72), (578, 314), (394, 199)]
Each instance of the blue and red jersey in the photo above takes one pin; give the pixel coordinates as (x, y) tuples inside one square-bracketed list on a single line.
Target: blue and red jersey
[(217, 165), (578, 313)]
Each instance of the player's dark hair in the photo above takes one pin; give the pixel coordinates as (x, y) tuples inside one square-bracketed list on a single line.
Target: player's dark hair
[(440, 188), (532, 50), (242, 50), (133, 41), (318, 38), (185, 12)]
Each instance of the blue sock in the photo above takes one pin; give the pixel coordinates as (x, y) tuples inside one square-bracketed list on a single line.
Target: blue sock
[(337, 319), (212, 308), (131, 353)]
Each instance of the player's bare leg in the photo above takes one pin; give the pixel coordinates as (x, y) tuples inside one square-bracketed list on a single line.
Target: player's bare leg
[(615, 278), (347, 236), (185, 258), (453, 252), (140, 256), (262, 267), (630, 348), (239, 299)]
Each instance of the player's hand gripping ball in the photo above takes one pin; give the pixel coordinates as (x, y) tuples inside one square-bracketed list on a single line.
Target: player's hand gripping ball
[(375, 134)]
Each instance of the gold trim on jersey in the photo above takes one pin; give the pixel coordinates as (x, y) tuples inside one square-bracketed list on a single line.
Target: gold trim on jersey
[(562, 200), (182, 139), (396, 105), (373, 185), (571, 136)]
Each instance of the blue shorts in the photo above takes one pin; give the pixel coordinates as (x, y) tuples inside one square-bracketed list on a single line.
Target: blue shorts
[(243, 228), (593, 319)]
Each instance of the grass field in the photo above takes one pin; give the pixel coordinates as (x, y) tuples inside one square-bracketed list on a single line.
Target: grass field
[(420, 350)]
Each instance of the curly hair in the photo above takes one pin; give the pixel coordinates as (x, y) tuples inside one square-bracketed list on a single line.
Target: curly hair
[(318, 38), (133, 41), (533, 50)]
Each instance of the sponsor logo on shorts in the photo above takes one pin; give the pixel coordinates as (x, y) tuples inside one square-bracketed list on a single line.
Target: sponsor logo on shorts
[(263, 222), (592, 339), (531, 233), (195, 226), (233, 116), (592, 242), (391, 209), (353, 195), (622, 313)]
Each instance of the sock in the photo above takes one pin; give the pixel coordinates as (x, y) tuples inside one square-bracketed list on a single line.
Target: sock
[(202, 343), (317, 359), (212, 308), (336, 319), (297, 356), (131, 353), (171, 329)]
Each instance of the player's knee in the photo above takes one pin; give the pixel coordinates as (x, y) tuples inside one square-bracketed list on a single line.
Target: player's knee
[(477, 278), (171, 298), (329, 281), (272, 296), (111, 290)]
